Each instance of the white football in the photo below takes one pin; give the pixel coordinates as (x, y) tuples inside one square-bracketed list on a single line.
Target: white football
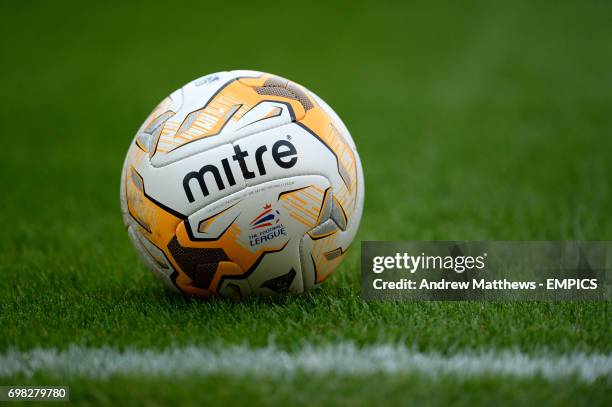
[(242, 183)]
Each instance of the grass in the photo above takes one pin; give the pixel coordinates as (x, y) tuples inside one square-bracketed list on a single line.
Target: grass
[(326, 390), (474, 121)]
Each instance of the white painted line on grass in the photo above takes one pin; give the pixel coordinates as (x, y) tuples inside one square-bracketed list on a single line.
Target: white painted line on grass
[(339, 359)]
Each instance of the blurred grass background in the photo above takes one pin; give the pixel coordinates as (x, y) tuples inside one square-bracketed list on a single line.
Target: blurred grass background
[(474, 120), (484, 119)]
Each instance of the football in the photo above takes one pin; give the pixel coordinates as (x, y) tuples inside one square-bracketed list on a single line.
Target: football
[(242, 183)]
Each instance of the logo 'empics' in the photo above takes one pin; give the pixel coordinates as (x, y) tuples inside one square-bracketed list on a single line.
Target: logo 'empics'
[(283, 153)]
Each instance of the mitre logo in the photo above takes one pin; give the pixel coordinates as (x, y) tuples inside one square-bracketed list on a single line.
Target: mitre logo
[(283, 153), (267, 226)]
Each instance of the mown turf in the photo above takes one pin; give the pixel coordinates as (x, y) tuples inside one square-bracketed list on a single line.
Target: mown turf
[(408, 390), (473, 120)]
